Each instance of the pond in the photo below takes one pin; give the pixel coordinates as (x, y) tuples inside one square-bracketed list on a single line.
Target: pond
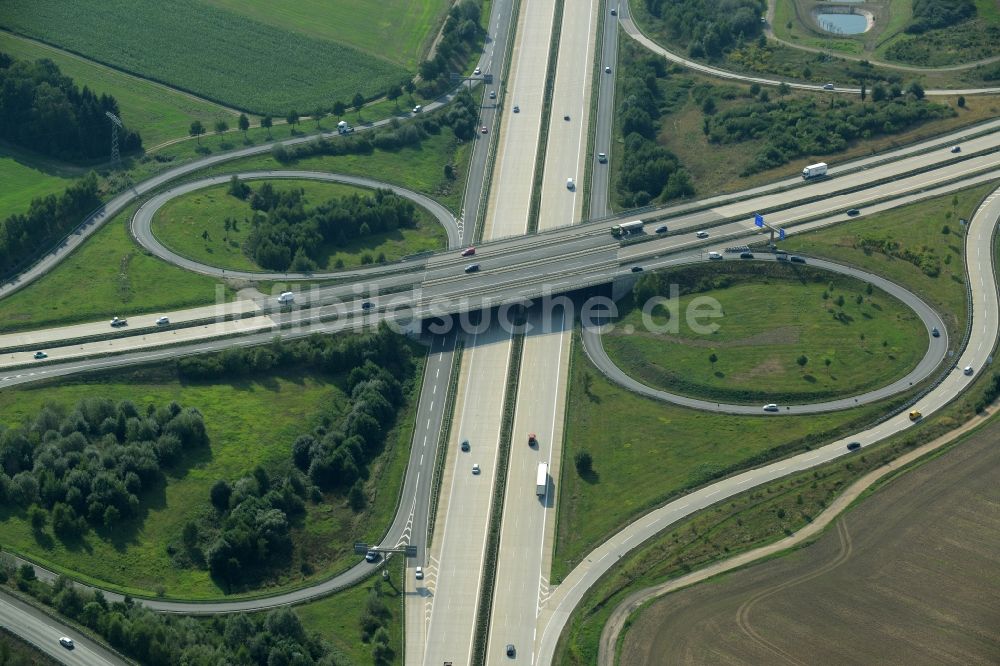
[(843, 24)]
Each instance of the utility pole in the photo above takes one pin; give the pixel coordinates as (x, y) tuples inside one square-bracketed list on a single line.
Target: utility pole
[(116, 123)]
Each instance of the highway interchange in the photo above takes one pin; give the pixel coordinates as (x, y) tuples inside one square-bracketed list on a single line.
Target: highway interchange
[(441, 610)]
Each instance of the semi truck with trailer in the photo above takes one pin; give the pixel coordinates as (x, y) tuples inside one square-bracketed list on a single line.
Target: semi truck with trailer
[(626, 228)]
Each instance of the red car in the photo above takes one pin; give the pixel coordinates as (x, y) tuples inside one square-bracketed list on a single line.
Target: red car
[(469, 252), (483, 129), (532, 440)]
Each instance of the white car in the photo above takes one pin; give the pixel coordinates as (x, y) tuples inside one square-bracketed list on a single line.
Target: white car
[(418, 573), (66, 642), (570, 185), (702, 234), (478, 71), (162, 321), (475, 468), (968, 370), (770, 407), (118, 321), (714, 255)]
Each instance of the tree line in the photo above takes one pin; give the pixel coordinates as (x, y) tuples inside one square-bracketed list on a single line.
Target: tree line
[(460, 35), (931, 14), (44, 111), (649, 172), (273, 638), (89, 466), (709, 28), (286, 235), (22, 236)]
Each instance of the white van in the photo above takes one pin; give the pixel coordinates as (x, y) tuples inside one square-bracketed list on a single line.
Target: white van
[(418, 109), (286, 297)]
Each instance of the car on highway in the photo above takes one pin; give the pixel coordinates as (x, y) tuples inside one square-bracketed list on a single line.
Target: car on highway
[(510, 650), (40, 355), (418, 573), (781, 257), (163, 321), (532, 440), (607, 70), (566, 117), (602, 158), (570, 184), (854, 446), (118, 321), (956, 149), (828, 86), (483, 129), (493, 94), (614, 11), (468, 252), (746, 255), (662, 229), (795, 259), (367, 305), (702, 234), (66, 642), (714, 255), (478, 71), (472, 268), (968, 370), (465, 445), (915, 415), (637, 269), (418, 109), (475, 468), (936, 333), (371, 556), (770, 407), (517, 109), (853, 212)]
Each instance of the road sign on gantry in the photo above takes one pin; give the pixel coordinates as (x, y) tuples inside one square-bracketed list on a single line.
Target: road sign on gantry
[(758, 219)]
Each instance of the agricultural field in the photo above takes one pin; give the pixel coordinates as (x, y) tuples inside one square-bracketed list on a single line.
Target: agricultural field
[(249, 422), (409, 25), (786, 336), (157, 112), (214, 53), (182, 223), (645, 452), (901, 575)]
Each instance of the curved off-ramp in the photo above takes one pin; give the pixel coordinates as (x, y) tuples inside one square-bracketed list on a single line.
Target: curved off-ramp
[(142, 223), (983, 332), (937, 349), (633, 31)]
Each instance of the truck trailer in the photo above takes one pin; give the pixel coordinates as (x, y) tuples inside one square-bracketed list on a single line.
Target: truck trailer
[(542, 481), (814, 171), (627, 228)]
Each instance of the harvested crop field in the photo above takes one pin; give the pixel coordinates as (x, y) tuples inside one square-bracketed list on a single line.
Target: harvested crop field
[(907, 577)]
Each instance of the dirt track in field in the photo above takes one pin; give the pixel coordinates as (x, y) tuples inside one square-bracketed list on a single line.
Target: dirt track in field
[(910, 576)]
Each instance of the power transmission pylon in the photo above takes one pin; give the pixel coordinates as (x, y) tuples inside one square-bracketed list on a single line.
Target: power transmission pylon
[(116, 122)]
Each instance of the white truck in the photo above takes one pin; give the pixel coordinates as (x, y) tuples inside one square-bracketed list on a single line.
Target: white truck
[(814, 171), (286, 297), (344, 128), (542, 480), (627, 228)]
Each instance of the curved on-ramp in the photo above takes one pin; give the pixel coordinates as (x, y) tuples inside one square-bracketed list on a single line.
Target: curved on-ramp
[(937, 349), (983, 333), (142, 223)]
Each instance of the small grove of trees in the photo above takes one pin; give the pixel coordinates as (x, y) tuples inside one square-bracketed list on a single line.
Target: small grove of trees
[(709, 28), (44, 111), (285, 235), (930, 14), (260, 639), (91, 464), (48, 218), (459, 36)]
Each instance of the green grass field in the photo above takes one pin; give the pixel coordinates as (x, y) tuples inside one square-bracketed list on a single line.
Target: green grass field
[(180, 224), (918, 228), (215, 53), (109, 274), (249, 423), (645, 451), (768, 323), (156, 112), (366, 26), (24, 180)]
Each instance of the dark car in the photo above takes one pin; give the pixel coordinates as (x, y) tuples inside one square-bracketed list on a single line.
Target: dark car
[(956, 149), (472, 268), (661, 229), (468, 252), (795, 259), (532, 440), (465, 445), (854, 446), (853, 211), (371, 556), (936, 333), (746, 255), (781, 257), (637, 269), (367, 305), (566, 117), (40, 355), (510, 650)]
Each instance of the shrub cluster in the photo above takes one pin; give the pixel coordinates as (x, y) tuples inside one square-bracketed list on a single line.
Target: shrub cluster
[(709, 27), (796, 127), (91, 465), (155, 639), (286, 235), (649, 171), (44, 111), (925, 259), (48, 218), (930, 14)]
